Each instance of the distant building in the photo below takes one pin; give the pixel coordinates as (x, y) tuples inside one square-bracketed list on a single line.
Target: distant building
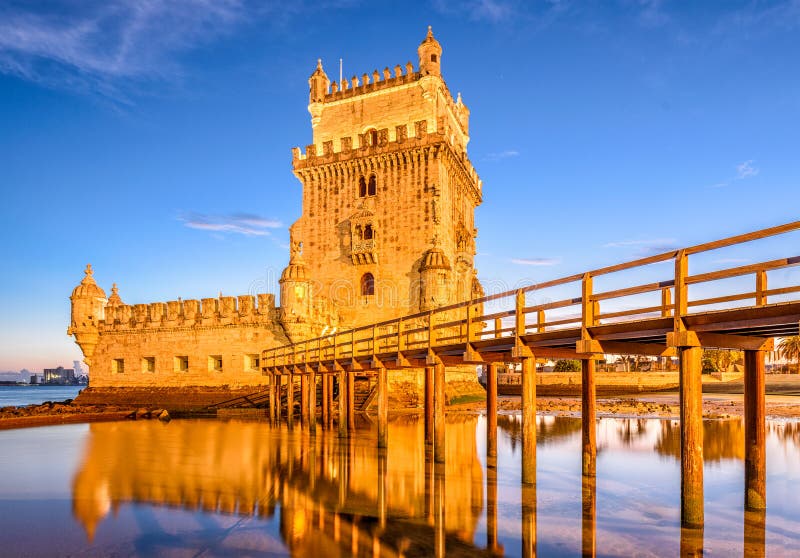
[(35, 379), (60, 376)]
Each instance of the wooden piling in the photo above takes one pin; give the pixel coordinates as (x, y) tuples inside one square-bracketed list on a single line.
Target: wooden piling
[(438, 414), (382, 487), (290, 401), (588, 515), (312, 401), (429, 405), (491, 510), (491, 416), (304, 398), (588, 417), (351, 401), (528, 420), (754, 533), (342, 404), (326, 409), (691, 414), (278, 389), (383, 408), (439, 507), (271, 397), (755, 458), (528, 498)]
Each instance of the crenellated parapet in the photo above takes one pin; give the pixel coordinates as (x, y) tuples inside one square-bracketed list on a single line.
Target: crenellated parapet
[(220, 311), (391, 144)]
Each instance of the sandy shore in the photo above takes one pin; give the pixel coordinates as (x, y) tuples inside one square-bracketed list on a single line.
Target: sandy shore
[(722, 401)]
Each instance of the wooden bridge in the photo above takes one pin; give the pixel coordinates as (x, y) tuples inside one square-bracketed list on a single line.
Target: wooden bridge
[(642, 307)]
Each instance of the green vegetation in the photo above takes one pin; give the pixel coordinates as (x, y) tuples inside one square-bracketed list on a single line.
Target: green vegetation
[(789, 348), (720, 360), (468, 398), (564, 365)]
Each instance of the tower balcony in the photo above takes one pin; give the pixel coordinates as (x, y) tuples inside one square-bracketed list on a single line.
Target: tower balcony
[(364, 252)]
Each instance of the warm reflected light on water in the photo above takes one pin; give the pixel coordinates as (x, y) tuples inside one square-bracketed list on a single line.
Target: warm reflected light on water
[(223, 488)]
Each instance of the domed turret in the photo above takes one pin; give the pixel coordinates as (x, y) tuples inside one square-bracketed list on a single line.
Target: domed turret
[(430, 55), (435, 278), (296, 305), (88, 309)]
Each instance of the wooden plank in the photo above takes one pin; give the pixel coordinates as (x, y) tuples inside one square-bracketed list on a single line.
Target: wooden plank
[(647, 349), (742, 238), (728, 341), (630, 291), (742, 270)]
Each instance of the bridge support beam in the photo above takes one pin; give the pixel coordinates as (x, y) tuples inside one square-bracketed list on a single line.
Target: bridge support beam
[(326, 409), (330, 400), (438, 413), (290, 401), (491, 416), (491, 511), (304, 399), (278, 389), (351, 402), (312, 401), (691, 411), (528, 420), (588, 516), (755, 459), (272, 396), (429, 405), (342, 404), (383, 408), (528, 498), (588, 417)]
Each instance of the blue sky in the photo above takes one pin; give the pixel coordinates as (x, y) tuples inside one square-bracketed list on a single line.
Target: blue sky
[(153, 139)]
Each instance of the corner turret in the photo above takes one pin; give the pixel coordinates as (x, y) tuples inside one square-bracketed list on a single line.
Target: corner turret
[(295, 311), (88, 309), (318, 85), (434, 272), (430, 55)]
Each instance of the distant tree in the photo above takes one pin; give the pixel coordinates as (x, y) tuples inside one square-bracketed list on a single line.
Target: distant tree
[(564, 365), (789, 348), (720, 360)]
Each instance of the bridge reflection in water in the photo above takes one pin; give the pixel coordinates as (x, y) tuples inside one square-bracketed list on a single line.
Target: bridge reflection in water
[(334, 496)]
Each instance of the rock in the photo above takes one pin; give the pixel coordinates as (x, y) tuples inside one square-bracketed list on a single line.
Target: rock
[(164, 416), (142, 413)]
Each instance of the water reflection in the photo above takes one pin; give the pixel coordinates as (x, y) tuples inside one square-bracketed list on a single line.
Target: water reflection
[(339, 497), (345, 491)]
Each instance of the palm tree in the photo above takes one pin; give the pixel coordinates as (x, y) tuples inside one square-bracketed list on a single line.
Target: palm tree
[(789, 348)]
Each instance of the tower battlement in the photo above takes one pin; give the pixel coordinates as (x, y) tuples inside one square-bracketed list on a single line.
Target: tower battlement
[(389, 142)]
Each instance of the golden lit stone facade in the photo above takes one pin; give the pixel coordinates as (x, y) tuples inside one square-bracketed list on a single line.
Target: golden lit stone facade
[(387, 229)]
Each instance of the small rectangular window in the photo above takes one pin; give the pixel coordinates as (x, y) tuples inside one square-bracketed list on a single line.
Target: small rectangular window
[(181, 363), (149, 364), (118, 366), (252, 362), (215, 363)]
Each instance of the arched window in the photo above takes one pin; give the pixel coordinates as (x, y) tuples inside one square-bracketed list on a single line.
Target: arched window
[(362, 187), (367, 284), (368, 232), (433, 58), (359, 234), (373, 185), (373, 137)]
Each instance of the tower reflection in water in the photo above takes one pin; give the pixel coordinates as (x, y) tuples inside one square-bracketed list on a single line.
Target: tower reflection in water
[(331, 496), (338, 497)]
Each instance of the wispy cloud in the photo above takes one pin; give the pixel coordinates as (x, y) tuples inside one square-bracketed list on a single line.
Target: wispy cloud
[(744, 171), (500, 155), (237, 223), (100, 46), (536, 261), (645, 247), (493, 11)]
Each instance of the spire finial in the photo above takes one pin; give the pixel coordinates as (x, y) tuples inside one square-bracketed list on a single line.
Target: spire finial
[(114, 288), (430, 31), (88, 271), (319, 63)]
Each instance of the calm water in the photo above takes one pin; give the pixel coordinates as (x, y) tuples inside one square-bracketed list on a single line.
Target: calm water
[(215, 488), (34, 395)]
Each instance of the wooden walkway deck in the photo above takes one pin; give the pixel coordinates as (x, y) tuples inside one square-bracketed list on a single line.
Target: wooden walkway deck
[(650, 306)]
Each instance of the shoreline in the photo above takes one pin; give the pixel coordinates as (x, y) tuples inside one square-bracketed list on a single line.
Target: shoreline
[(657, 405)]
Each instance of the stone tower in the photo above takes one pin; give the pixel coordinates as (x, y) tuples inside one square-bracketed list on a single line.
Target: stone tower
[(389, 193)]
